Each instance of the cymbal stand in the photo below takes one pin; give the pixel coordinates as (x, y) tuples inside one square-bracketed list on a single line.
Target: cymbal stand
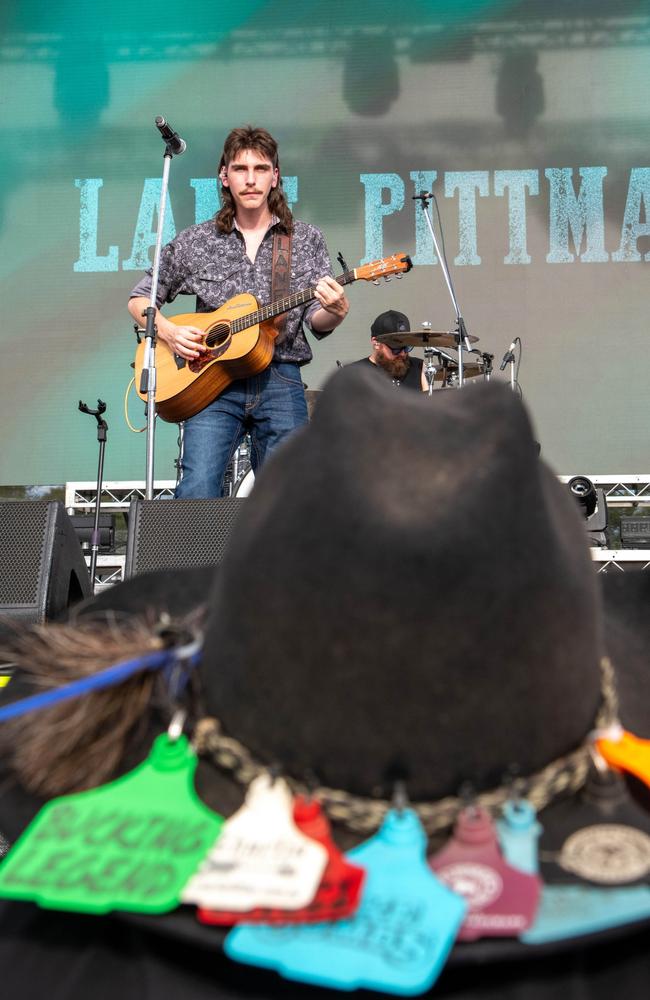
[(462, 339), (430, 368)]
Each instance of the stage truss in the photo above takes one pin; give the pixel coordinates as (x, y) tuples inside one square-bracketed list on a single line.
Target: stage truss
[(80, 497)]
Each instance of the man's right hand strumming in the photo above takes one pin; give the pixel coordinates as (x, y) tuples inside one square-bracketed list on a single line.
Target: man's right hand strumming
[(186, 341)]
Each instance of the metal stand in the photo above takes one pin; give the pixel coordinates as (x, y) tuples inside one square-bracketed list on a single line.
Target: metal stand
[(462, 339), (510, 359), (173, 145), (102, 429), (430, 368)]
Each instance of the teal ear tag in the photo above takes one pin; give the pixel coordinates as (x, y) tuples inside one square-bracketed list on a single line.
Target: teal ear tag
[(518, 832), (129, 845), (399, 938), (568, 911)]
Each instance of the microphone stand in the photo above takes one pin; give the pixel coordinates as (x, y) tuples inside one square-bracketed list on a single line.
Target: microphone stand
[(148, 377), (102, 429), (509, 359), (462, 339)]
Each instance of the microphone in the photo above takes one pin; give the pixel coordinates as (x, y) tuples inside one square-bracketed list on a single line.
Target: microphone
[(423, 196), (172, 139), (508, 356)]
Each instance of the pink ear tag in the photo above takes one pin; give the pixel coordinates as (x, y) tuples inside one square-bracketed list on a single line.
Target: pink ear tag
[(129, 845), (261, 858), (502, 900)]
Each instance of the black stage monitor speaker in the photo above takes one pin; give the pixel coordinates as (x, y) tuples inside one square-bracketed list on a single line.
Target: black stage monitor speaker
[(42, 568), (173, 534)]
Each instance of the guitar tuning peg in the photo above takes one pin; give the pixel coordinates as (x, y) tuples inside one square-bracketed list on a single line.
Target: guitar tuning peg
[(388, 277), (399, 277), (376, 281)]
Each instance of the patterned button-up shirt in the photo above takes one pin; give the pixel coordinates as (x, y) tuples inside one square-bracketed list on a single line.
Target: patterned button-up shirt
[(214, 266)]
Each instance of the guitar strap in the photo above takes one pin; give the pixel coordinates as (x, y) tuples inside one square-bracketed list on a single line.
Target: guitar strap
[(281, 274)]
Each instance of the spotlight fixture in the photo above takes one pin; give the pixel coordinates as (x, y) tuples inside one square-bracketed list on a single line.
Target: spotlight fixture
[(584, 492), (591, 504)]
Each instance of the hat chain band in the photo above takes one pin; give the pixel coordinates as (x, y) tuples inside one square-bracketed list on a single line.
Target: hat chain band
[(364, 815)]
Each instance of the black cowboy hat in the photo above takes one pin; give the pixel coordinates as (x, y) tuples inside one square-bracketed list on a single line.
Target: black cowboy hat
[(407, 595)]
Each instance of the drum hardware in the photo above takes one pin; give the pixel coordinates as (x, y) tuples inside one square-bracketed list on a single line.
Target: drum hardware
[(238, 469), (487, 361), (462, 339), (245, 485), (432, 371)]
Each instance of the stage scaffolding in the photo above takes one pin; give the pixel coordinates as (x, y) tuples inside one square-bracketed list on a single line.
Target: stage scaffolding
[(80, 497)]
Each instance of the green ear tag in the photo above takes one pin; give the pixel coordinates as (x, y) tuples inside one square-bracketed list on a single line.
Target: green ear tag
[(129, 845)]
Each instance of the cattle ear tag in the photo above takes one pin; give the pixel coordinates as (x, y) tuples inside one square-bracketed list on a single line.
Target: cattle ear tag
[(338, 894), (601, 836), (130, 845), (625, 752), (518, 832), (261, 857), (397, 941), (502, 899)]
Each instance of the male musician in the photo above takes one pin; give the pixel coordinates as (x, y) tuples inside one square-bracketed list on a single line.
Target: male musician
[(394, 361), (226, 256)]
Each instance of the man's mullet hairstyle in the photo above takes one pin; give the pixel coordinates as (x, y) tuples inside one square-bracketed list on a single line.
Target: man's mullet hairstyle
[(262, 142)]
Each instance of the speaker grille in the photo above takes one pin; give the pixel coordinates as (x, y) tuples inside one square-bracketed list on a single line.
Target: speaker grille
[(174, 534), (22, 536)]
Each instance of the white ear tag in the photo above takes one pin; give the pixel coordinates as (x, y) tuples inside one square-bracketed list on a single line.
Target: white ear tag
[(261, 857)]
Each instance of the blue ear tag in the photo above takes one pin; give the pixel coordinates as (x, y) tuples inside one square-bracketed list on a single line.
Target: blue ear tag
[(518, 832), (568, 911), (398, 940)]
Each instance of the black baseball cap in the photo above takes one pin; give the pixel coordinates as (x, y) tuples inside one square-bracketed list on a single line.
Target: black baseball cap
[(390, 322)]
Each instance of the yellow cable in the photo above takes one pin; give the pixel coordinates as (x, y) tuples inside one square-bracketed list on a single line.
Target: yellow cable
[(136, 430)]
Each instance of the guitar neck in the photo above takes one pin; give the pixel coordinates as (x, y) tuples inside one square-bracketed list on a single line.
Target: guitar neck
[(284, 305)]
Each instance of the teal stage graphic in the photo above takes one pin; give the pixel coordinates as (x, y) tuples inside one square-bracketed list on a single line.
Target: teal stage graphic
[(529, 121)]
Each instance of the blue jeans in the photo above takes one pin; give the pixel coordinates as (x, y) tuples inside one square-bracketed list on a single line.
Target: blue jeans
[(269, 406)]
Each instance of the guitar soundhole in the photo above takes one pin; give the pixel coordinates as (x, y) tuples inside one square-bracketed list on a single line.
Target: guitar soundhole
[(218, 335)]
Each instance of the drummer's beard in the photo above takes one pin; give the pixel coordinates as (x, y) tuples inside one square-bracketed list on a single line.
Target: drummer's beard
[(396, 367)]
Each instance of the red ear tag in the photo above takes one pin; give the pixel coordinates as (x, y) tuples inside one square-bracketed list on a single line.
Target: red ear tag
[(339, 892), (626, 752), (502, 900)]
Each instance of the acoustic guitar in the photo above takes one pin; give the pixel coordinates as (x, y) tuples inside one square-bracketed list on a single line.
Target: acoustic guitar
[(240, 336)]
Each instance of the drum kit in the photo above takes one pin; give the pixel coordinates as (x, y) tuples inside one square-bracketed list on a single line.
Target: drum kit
[(440, 366)]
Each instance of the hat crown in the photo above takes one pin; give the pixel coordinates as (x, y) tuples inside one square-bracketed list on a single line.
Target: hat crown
[(409, 590)]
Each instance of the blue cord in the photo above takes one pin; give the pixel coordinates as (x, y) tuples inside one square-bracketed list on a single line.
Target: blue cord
[(103, 679)]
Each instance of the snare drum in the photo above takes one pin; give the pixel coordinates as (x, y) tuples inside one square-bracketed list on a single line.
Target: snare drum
[(245, 485)]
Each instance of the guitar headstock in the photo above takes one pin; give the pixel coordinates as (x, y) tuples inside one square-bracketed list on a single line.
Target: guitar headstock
[(398, 263)]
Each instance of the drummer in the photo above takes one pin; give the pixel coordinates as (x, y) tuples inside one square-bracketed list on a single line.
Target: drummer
[(394, 361)]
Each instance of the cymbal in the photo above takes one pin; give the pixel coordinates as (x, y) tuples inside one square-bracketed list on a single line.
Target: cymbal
[(420, 338)]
